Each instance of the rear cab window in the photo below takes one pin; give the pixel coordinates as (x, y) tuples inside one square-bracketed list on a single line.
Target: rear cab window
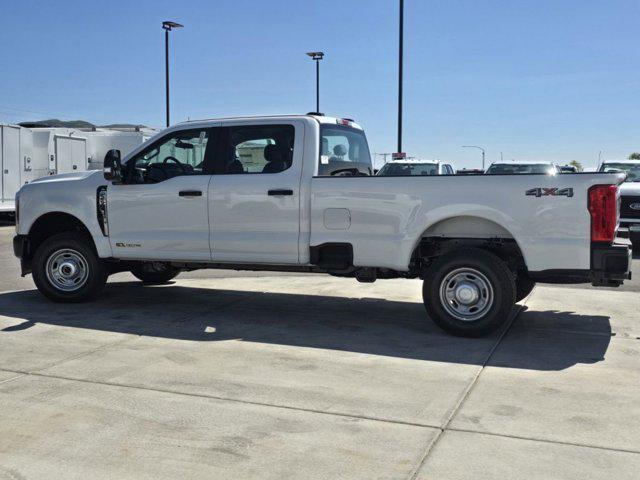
[(343, 151)]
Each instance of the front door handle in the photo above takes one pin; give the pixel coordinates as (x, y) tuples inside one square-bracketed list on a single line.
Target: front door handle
[(190, 193), (278, 192)]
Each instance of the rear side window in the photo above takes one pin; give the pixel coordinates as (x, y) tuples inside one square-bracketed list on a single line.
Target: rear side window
[(257, 149), (343, 151)]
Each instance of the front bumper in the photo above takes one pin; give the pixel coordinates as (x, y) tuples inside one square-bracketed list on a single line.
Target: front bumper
[(611, 264)]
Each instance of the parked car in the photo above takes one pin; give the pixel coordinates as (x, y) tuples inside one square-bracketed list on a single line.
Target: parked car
[(629, 197), (470, 171), (414, 167), (295, 193), (513, 168)]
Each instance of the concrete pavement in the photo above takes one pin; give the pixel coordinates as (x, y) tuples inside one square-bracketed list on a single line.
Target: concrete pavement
[(266, 376)]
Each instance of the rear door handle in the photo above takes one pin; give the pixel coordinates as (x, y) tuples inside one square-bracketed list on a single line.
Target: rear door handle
[(280, 192), (190, 193)]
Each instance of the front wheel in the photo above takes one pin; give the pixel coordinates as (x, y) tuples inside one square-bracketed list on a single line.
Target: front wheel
[(469, 293), (66, 268), (154, 273)]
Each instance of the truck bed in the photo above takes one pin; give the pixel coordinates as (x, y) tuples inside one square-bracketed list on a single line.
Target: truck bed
[(384, 218)]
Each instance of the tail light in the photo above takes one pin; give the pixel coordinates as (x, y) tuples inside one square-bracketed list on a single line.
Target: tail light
[(603, 207)]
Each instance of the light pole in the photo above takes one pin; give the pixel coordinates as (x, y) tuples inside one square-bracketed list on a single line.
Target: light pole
[(167, 26), (317, 56), (400, 54), (479, 148)]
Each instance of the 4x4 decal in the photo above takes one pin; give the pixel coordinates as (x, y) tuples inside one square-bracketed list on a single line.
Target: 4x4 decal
[(550, 192)]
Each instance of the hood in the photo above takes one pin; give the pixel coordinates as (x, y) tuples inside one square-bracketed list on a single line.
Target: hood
[(65, 177), (629, 188)]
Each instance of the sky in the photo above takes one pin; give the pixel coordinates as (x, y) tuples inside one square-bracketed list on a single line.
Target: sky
[(551, 80)]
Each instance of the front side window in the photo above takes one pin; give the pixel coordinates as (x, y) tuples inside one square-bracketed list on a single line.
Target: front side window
[(182, 153), (257, 149), (343, 151)]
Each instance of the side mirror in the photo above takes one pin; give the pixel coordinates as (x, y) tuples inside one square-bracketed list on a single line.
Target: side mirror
[(112, 166)]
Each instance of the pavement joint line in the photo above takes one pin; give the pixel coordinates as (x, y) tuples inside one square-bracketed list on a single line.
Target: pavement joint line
[(226, 399), (555, 442), (612, 335), (21, 374), (18, 375), (83, 354), (467, 391)]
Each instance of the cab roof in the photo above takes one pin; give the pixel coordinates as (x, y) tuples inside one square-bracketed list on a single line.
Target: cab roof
[(525, 162), (320, 118)]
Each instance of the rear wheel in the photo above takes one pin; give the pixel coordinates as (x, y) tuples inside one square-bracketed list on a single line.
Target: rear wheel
[(66, 268), (155, 273), (469, 293)]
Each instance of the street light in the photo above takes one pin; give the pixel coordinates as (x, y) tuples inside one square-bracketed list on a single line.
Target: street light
[(167, 26), (479, 148), (400, 54), (317, 56)]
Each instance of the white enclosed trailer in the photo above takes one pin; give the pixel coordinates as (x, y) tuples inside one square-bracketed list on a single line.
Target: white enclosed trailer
[(30, 153), (9, 162)]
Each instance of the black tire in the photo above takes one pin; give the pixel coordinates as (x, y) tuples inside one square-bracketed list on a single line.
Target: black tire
[(80, 252), (524, 285), (478, 268), (154, 273)]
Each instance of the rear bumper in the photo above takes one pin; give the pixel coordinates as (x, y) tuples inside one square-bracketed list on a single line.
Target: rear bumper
[(611, 264), (610, 267)]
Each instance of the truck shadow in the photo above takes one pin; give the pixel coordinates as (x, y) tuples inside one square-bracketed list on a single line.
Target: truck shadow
[(369, 326)]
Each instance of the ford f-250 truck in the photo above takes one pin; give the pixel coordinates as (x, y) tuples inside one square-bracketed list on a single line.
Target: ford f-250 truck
[(296, 193)]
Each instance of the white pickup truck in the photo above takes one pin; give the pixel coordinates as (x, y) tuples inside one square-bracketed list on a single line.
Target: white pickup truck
[(296, 193)]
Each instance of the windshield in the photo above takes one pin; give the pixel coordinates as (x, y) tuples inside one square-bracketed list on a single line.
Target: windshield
[(409, 169), (515, 168), (632, 169), (343, 150)]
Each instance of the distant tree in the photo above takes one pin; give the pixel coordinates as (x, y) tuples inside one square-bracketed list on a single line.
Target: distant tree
[(577, 164), (634, 156)]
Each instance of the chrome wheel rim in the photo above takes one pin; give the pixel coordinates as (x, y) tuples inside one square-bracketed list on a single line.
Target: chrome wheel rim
[(67, 270), (466, 294)]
